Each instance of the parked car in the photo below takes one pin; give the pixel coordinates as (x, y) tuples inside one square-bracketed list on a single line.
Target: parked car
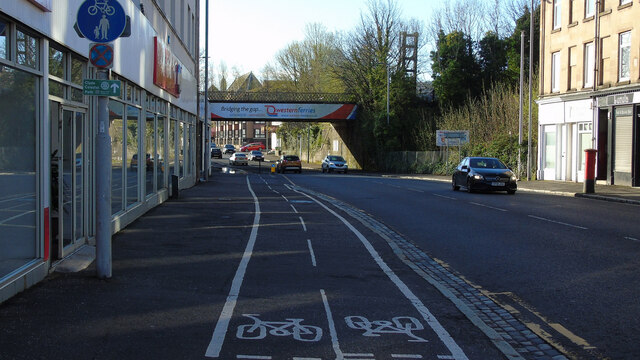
[(229, 149), (256, 155), (334, 163), (238, 159), (483, 173), (216, 153), (289, 162), (253, 146)]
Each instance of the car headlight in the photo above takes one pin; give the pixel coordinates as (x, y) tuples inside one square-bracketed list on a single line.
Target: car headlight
[(478, 177), (513, 178)]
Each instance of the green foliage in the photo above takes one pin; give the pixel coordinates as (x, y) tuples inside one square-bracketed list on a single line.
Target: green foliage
[(512, 72)]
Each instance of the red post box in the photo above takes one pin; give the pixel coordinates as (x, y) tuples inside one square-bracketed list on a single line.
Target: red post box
[(589, 171)]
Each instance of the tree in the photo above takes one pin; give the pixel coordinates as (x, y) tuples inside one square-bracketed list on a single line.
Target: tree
[(456, 73), (513, 44), (492, 53)]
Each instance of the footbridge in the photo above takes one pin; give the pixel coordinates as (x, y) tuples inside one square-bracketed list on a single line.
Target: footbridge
[(281, 106)]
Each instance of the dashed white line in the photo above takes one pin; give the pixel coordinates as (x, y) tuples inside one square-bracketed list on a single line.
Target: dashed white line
[(446, 197), (294, 208), (305, 358), (406, 356), (304, 227), (446, 357), (350, 355), (558, 222), (631, 238), (256, 357), (487, 206), (416, 190), (332, 327), (313, 255), (285, 198)]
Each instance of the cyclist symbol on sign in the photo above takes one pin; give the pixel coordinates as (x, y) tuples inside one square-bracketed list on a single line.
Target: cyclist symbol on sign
[(103, 6), (397, 325)]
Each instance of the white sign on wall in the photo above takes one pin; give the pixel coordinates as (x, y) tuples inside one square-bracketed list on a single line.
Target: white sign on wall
[(451, 137)]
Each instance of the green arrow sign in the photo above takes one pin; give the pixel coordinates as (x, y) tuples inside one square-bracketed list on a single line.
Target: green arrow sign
[(95, 87)]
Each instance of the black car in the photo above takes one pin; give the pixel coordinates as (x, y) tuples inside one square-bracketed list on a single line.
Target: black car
[(216, 153), (483, 173), (229, 149)]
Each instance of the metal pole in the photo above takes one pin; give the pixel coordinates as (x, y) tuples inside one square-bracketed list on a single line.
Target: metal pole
[(308, 143), (520, 112), (207, 118), (103, 186), (529, 147), (596, 46), (388, 81)]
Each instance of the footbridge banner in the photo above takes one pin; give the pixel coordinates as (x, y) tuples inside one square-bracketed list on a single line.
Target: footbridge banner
[(282, 112)]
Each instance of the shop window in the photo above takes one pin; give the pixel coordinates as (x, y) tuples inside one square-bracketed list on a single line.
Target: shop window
[(116, 131), (133, 157), (56, 89), (18, 101), (584, 139), (27, 50), (549, 148), (77, 71), (150, 152), (4, 40), (161, 164)]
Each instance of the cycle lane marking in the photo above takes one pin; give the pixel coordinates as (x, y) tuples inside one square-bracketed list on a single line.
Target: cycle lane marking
[(332, 327), (304, 227), (222, 326), (435, 325), (313, 255)]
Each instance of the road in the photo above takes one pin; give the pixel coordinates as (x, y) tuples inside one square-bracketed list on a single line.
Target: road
[(568, 266)]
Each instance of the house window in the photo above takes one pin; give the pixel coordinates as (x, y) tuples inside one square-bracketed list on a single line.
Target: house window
[(625, 2), (557, 19), (571, 74), (589, 8), (589, 63), (555, 72), (624, 55)]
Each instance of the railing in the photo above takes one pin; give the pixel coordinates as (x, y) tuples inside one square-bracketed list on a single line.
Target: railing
[(281, 97)]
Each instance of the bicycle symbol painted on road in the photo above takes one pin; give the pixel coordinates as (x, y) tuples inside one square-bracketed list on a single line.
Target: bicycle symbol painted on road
[(397, 325), (103, 6), (291, 327)]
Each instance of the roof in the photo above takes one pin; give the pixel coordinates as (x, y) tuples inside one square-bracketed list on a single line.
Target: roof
[(246, 82)]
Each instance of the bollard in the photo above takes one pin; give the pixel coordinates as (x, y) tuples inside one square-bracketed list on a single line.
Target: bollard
[(589, 171)]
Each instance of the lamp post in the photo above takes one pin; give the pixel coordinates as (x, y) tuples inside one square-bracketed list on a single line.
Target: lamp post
[(530, 90), (388, 85)]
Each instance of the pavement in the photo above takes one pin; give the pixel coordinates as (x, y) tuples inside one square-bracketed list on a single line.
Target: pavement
[(71, 314)]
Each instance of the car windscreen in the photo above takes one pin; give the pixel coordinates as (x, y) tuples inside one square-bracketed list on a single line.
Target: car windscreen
[(291, 158), (487, 164), (336, 158)]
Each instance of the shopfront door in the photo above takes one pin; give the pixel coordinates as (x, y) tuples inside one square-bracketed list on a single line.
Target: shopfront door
[(68, 179)]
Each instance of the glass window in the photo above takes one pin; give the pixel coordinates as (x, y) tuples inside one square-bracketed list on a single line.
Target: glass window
[(27, 50), (161, 182), (133, 156), (589, 63), (76, 95), (589, 8), (624, 55), (181, 147), (557, 19), (4, 40), (56, 89), (624, 2), (18, 101), (555, 72), (173, 129), (77, 71), (550, 147), (150, 146), (116, 131), (56, 63)]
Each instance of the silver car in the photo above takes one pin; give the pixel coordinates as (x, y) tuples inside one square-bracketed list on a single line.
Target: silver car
[(333, 163), (238, 159)]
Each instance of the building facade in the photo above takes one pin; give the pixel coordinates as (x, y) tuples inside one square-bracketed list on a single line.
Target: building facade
[(47, 166), (589, 90)]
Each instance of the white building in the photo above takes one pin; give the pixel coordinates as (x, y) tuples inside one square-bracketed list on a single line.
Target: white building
[(47, 161)]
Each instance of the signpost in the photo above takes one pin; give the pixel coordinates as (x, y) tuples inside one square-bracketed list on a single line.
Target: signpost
[(448, 138), (102, 21)]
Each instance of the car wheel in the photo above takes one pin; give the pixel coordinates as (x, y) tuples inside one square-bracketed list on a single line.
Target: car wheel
[(511, 192), (345, 172), (300, 171), (469, 187), (454, 186)]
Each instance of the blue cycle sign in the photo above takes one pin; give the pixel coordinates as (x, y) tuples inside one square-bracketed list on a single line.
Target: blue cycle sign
[(101, 20)]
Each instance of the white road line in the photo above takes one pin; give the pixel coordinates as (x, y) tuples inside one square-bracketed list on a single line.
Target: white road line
[(294, 209), (332, 327), (406, 356), (284, 197), (446, 197), (416, 190), (257, 357), (305, 358), (558, 222), (487, 206), (220, 331), (358, 355), (304, 227), (17, 216), (446, 357), (631, 238), (313, 255), (442, 333)]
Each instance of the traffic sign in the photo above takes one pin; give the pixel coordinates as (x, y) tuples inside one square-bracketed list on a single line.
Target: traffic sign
[(98, 87), (101, 20), (101, 55)]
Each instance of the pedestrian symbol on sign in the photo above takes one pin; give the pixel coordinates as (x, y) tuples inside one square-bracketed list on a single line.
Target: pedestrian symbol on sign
[(101, 20)]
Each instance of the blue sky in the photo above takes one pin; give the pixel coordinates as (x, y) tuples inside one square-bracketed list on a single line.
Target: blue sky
[(248, 33)]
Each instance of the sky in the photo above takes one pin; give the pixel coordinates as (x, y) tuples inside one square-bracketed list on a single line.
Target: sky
[(247, 34)]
